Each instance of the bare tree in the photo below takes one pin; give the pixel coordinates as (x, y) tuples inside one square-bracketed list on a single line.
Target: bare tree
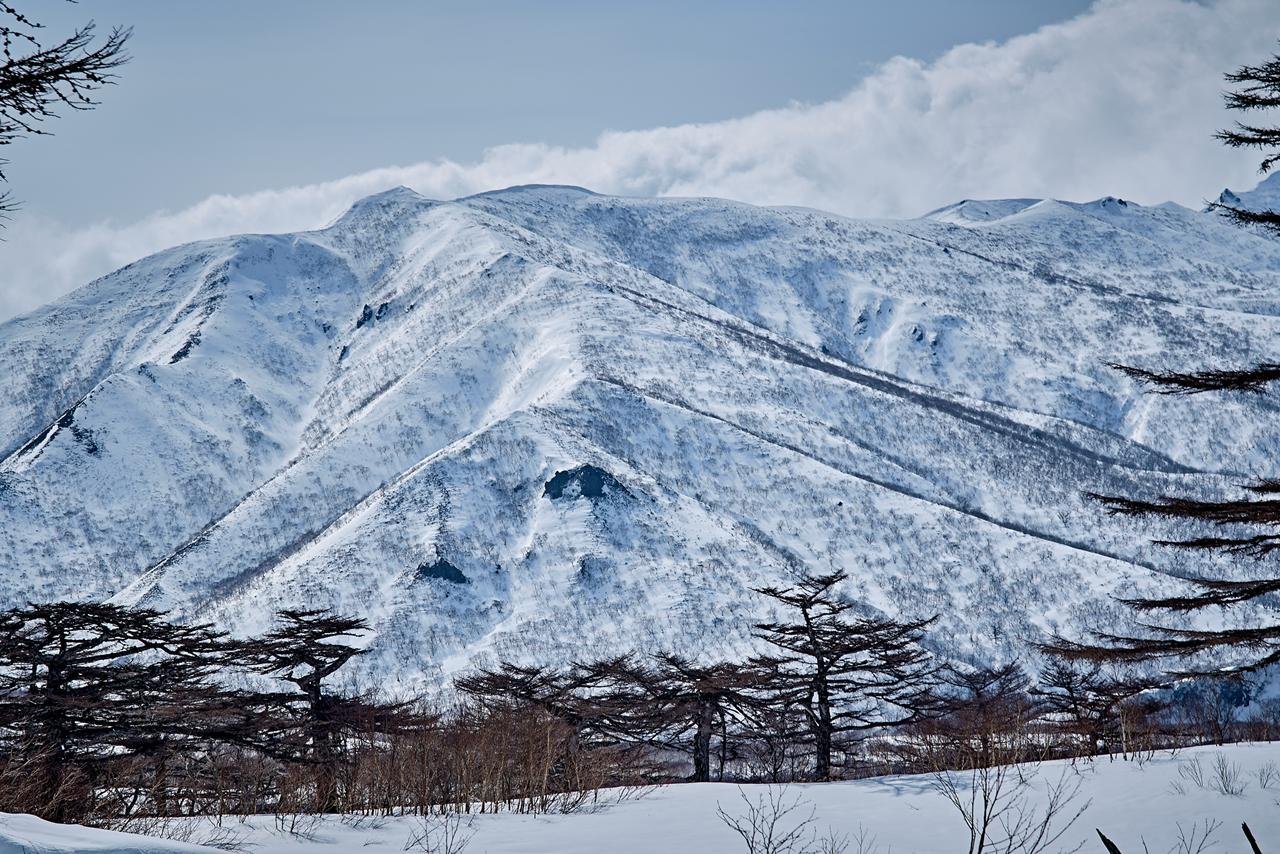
[(1091, 700), (1248, 524), (679, 698), (847, 674), (37, 77), (305, 649), (582, 696), (86, 684), (982, 709)]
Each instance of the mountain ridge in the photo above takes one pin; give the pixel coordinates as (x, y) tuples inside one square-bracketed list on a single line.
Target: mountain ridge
[(270, 420)]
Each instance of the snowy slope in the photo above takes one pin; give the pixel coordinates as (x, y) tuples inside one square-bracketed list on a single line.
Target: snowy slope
[(1133, 803), (542, 422), (1265, 196), (26, 834)]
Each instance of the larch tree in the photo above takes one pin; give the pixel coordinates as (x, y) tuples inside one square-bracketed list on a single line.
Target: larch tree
[(846, 673), (1090, 700), (1257, 88), (1245, 525), (684, 699), (983, 713), (39, 77), (582, 697), (85, 684), (305, 649)]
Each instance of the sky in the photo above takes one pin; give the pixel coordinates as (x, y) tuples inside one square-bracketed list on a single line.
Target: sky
[(248, 116)]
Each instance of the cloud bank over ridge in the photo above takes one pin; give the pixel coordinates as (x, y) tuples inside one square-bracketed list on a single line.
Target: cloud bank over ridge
[(1121, 100)]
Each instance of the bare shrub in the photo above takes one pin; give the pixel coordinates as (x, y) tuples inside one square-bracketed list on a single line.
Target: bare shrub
[(209, 832), (1227, 778), (998, 809), (360, 821), (298, 825), (774, 823), (778, 823), (1196, 839), (441, 833), (831, 843), (1268, 775), (1193, 772), (865, 842), (983, 754)]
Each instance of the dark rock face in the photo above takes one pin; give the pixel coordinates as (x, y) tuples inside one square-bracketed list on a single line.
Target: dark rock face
[(442, 570), (185, 350), (585, 481)]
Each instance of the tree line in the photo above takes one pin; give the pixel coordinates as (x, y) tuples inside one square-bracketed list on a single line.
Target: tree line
[(110, 714)]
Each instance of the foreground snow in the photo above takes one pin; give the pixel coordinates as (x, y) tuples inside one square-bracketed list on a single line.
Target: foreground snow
[(30, 835), (1132, 802)]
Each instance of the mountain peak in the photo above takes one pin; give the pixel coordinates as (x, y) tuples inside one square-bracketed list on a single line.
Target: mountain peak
[(1264, 196), (475, 422), (971, 211), (395, 197), (536, 189)]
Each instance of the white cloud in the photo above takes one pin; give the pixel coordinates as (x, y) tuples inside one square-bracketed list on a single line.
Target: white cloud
[(1121, 101)]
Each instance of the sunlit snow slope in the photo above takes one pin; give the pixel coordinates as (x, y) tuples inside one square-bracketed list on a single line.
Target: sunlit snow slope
[(545, 423)]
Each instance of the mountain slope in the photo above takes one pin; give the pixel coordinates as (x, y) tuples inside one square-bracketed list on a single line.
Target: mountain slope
[(542, 422)]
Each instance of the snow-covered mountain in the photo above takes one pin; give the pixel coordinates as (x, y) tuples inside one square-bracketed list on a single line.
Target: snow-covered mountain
[(542, 422)]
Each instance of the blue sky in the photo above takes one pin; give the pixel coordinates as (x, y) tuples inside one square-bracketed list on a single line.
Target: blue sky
[(242, 116), (236, 96)]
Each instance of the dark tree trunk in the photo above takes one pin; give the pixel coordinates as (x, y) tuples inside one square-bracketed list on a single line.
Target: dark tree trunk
[(323, 754), (52, 753), (724, 747), (702, 743), (822, 730)]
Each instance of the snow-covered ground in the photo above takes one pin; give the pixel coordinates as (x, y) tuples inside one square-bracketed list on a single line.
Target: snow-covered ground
[(1132, 802), (26, 834)]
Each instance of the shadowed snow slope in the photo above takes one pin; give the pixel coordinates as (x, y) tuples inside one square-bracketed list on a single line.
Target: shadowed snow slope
[(545, 423), (26, 834)]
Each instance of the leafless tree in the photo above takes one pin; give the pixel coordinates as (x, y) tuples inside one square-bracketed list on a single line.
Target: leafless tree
[(304, 649), (681, 699), (1096, 702), (846, 673), (582, 696), (1248, 524), (83, 685), (39, 76)]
